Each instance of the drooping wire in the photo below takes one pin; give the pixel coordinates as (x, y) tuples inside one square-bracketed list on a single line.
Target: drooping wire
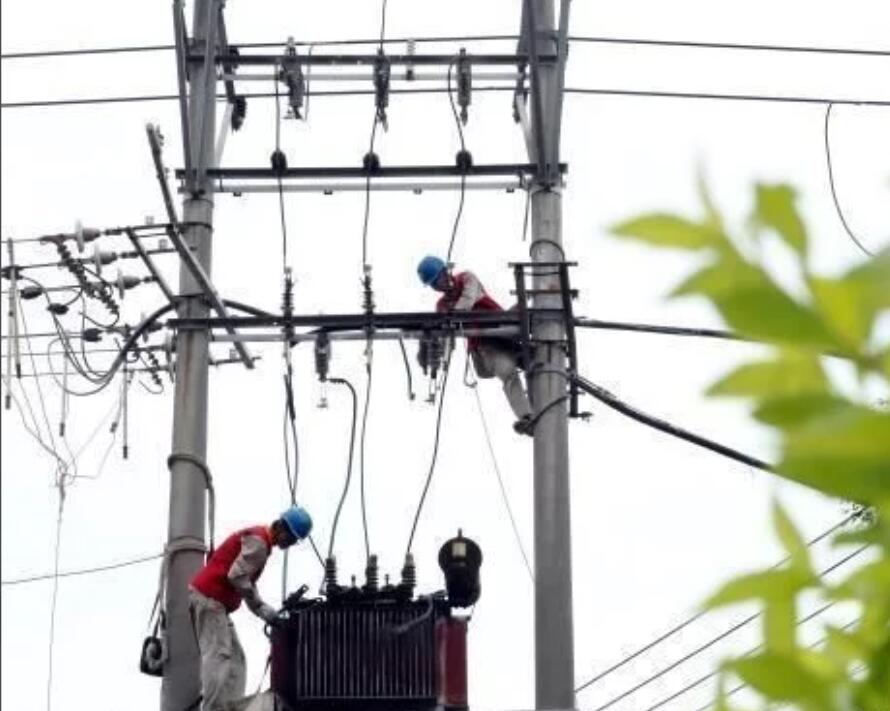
[(55, 595), (834, 198), (435, 454), (368, 299), (504, 497), (281, 211), (348, 479), (463, 176), (364, 505)]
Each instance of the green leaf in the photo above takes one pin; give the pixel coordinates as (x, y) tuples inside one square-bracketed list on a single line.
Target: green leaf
[(768, 585), (755, 306), (796, 410), (841, 302), (775, 209), (780, 624), (782, 677), (792, 542), (663, 230), (793, 373), (846, 454)]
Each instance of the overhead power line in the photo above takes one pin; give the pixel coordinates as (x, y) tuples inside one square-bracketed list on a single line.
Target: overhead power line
[(592, 91), (723, 635), (466, 38), (82, 571), (697, 616)]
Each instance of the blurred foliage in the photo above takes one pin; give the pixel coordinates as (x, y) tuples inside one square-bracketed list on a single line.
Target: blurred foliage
[(832, 437)]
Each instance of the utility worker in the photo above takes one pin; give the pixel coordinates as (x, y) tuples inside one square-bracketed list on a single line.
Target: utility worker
[(229, 577), (492, 357)]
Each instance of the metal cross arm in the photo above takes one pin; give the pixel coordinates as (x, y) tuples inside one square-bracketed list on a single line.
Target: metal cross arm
[(397, 171), (405, 321), (200, 276), (352, 60)]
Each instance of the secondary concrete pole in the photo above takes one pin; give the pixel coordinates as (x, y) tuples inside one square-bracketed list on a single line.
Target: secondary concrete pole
[(554, 643), (181, 685)]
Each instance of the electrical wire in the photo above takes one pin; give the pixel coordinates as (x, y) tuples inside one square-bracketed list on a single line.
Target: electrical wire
[(435, 455), (503, 489), (463, 176), (368, 300), (695, 652), (87, 101), (55, 596), (347, 384), (834, 198), (697, 616), (62, 466), (467, 38), (710, 643), (364, 505), (665, 330), (81, 571), (767, 98), (612, 401), (689, 687)]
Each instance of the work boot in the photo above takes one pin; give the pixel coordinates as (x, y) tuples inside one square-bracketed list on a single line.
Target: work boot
[(525, 425)]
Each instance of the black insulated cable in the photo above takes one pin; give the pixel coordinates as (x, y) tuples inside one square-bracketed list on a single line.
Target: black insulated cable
[(607, 398), (348, 479)]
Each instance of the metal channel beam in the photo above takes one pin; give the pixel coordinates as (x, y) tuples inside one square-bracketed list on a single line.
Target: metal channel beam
[(368, 59), (403, 171), (330, 188)]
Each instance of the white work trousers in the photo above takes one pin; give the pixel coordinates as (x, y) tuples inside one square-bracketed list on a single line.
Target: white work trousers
[(491, 360), (223, 666)]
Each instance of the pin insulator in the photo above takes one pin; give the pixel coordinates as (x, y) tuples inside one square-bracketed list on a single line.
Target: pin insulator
[(371, 162), (279, 161)]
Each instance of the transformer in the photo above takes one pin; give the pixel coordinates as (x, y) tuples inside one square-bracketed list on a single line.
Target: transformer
[(364, 648)]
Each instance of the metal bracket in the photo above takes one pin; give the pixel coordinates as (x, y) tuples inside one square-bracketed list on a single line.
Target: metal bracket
[(150, 265), (209, 290), (182, 40)]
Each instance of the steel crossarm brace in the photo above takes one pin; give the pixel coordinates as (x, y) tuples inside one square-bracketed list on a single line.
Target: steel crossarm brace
[(154, 141), (562, 51), (209, 290), (150, 265), (398, 171), (530, 34), (352, 60), (224, 50), (181, 38)]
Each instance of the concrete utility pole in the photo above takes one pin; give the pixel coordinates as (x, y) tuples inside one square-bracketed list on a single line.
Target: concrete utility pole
[(554, 643), (181, 686)]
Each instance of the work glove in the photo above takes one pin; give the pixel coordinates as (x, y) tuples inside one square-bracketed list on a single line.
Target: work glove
[(267, 613)]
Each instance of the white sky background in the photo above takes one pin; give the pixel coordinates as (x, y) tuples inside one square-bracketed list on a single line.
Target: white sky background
[(657, 524)]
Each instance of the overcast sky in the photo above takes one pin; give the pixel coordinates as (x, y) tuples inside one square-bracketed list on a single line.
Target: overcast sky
[(657, 524)]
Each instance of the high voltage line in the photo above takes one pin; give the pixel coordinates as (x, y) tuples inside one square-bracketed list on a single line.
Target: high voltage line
[(470, 38), (646, 93)]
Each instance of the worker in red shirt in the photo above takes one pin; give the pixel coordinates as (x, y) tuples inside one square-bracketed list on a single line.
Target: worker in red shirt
[(492, 357), (228, 577)]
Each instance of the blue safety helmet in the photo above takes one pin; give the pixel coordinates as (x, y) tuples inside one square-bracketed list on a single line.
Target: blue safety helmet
[(298, 522), (429, 269)]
